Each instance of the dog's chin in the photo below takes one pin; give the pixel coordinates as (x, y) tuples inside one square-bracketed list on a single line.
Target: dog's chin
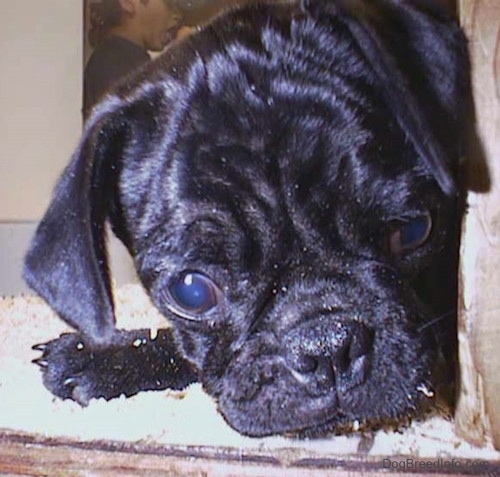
[(263, 405), (263, 396)]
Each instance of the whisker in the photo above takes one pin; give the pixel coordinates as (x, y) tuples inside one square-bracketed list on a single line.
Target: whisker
[(436, 320)]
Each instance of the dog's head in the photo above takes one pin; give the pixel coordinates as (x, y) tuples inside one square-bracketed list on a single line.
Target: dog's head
[(285, 181)]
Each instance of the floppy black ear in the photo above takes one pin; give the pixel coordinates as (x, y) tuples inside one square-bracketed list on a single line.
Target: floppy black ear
[(67, 263), (419, 56)]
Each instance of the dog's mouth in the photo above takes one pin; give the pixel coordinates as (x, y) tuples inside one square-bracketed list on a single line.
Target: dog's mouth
[(272, 401), (306, 392)]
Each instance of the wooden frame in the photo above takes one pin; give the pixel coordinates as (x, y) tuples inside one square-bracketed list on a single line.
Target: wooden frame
[(28, 456), (478, 411)]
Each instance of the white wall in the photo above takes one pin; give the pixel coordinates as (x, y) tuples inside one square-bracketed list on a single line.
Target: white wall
[(41, 70), (41, 45)]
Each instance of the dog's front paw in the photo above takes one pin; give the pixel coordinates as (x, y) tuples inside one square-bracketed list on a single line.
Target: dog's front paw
[(133, 361), (69, 368)]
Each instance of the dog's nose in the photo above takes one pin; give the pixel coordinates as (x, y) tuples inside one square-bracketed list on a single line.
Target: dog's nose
[(323, 353)]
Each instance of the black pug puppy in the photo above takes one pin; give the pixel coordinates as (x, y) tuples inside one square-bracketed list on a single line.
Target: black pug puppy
[(285, 180)]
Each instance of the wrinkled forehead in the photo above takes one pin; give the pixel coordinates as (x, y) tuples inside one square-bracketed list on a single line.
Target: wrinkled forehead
[(267, 110), (252, 82)]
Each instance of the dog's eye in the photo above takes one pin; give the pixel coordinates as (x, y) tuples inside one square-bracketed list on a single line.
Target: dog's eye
[(193, 294), (410, 234)]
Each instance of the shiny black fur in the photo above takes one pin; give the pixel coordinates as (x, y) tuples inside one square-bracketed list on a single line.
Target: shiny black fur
[(277, 152)]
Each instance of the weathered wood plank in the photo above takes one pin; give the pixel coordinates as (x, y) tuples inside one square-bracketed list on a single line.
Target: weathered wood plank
[(478, 410), (22, 455)]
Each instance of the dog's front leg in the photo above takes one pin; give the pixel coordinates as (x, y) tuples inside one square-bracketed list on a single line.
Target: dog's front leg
[(134, 361)]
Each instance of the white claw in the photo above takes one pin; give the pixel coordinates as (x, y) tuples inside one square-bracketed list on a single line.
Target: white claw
[(425, 390)]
